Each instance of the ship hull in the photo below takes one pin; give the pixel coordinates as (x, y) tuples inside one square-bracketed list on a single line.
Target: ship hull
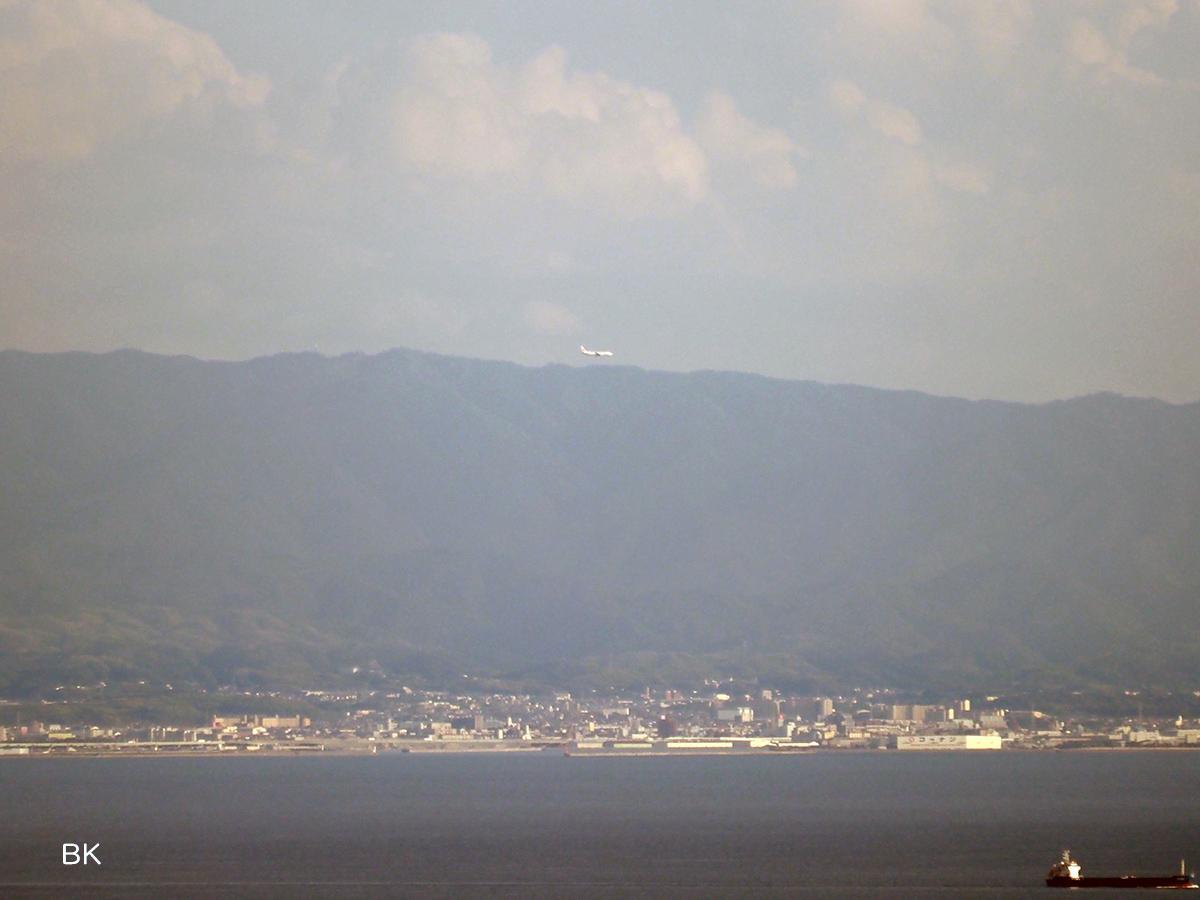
[(1168, 882)]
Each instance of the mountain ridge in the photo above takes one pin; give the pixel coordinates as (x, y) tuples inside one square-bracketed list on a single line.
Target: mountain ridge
[(289, 516), (1097, 395)]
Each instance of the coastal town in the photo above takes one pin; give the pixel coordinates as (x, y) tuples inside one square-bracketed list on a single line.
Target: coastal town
[(717, 719)]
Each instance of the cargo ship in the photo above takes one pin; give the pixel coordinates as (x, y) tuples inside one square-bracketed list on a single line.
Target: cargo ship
[(1066, 873)]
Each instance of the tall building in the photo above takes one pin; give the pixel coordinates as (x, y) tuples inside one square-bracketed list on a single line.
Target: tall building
[(915, 712)]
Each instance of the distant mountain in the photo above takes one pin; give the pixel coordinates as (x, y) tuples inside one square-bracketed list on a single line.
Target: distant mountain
[(283, 519)]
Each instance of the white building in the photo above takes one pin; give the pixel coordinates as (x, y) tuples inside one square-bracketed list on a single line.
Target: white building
[(947, 742)]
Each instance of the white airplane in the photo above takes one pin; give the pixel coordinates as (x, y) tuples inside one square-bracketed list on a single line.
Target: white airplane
[(586, 352)]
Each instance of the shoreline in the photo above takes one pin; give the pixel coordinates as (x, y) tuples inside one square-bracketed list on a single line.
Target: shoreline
[(326, 752)]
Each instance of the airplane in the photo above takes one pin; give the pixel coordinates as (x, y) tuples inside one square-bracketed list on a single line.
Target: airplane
[(586, 352)]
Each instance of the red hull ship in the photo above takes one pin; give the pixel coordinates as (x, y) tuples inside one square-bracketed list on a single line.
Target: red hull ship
[(1066, 873)]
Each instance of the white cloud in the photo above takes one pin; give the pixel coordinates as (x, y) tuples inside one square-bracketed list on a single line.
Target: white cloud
[(1086, 44), (846, 96), (1096, 37), (892, 121), (925, 166), (896, 16), (875, 29), (905, 191), (995, 29), (75, 74), (733, 140), (582, 136), (895, 122), (1134, 16), (456, 116), (943, 38), (550, 318), (1104, 51)]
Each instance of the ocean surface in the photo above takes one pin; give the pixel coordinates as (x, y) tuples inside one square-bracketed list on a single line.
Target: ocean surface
[(543, 825)]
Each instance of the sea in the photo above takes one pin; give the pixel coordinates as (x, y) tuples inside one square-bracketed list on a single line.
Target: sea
[(829, 824)]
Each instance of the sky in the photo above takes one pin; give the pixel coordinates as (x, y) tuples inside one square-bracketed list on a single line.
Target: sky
[(994, 198)]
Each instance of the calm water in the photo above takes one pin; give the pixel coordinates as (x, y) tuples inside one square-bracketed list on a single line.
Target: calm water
[(849, 825)]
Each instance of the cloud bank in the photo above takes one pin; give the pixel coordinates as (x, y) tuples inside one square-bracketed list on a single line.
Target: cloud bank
[(77, 74), (990, 199)]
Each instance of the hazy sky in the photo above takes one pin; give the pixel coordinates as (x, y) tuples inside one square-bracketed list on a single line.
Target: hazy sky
[(995, 199)]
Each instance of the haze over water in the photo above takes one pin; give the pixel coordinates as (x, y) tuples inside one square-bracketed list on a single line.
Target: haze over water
[(851, 825)]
